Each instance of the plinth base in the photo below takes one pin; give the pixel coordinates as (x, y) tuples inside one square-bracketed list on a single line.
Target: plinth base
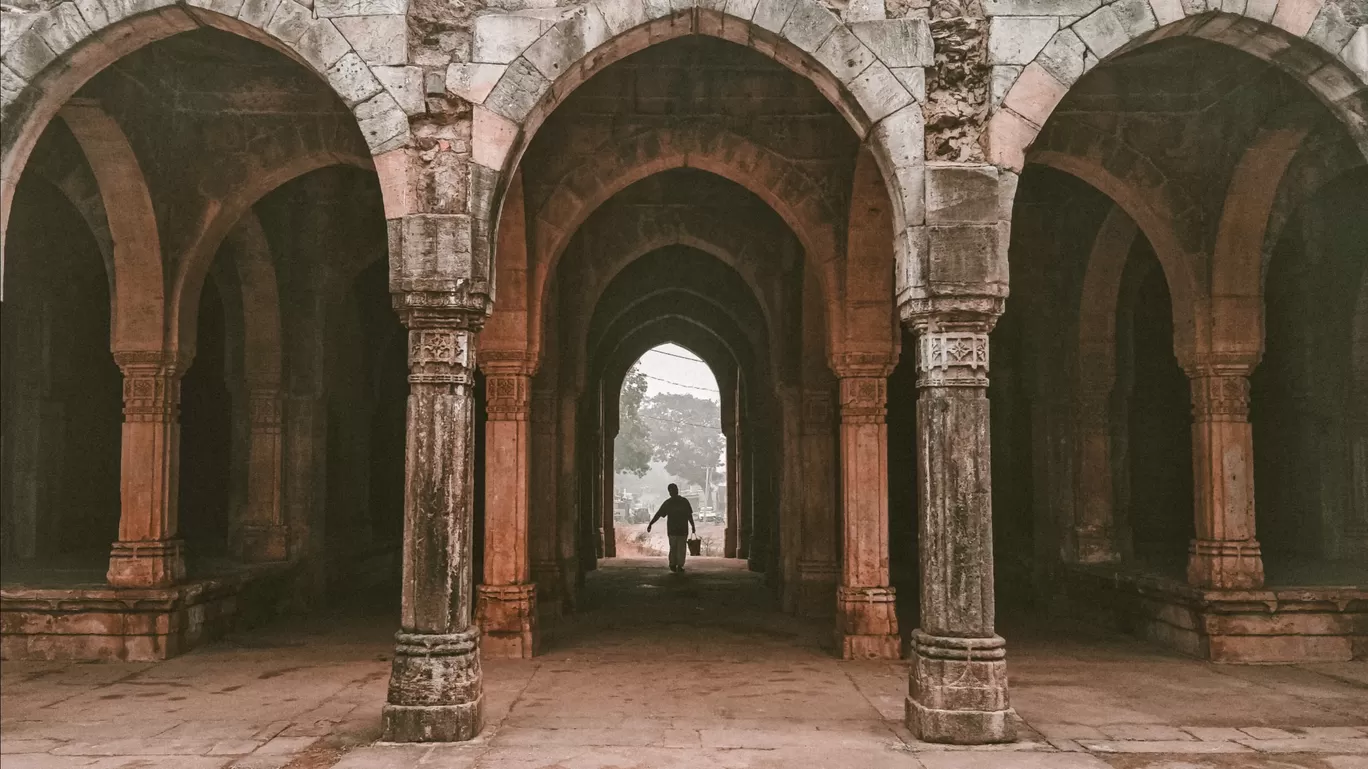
[(1225, 564), (867, 623), (436, 690), (432, 723), (958, 690), (508, 616), (158, 563)]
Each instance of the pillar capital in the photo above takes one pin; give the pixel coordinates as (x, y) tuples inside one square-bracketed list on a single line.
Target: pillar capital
[(1219, 396), (864, 399), (151, 385), (508, 396)]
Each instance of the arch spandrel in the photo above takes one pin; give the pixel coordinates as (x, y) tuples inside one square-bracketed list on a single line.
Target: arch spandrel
[(1310, 40)]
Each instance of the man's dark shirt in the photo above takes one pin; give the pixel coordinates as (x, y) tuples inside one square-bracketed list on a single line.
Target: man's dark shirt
[(678, 515)]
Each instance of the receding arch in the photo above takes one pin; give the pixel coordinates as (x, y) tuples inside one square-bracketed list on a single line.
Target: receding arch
[(138, 303), (125, 28), (261, 358), (1152, 214), (786, 189)]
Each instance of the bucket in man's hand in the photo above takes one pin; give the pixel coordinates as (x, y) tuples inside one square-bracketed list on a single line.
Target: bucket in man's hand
[(695, 546)]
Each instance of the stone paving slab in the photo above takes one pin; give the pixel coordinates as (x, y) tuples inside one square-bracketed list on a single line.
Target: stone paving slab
[(627, 684)]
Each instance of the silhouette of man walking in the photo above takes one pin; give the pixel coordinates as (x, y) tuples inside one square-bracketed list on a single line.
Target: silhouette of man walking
[(677, 512)]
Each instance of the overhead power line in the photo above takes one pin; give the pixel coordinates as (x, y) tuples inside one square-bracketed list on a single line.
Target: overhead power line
[(679, 422), (691, 359), (679, 384)]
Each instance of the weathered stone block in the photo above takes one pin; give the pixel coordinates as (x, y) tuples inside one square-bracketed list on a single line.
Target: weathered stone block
[(97, 18), (1333, 27), (518, 91), (1135, 17), (1035, 94), (1102, 31), (898, 42), (914, 79), (405, 85), (28, 55), (289, 22), (322, 45), (1296, 16), (967, 255), (258, 12), (382, 123), (962, 193), (878, 92), (567, 42), (360, 7), (809, 25), (352, 79), (843, 54), (378, 40), (1004, 77), (1040, 7), (1355, 53), (866, 10), (772, 14), (1062, 57), (622, 15), (473, 82), (62, 28), (501, 38), (1017, 39)]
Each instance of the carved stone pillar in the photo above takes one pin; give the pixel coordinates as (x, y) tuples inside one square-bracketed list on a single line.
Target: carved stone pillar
[(819, 573), (544, 477), (733, 518), (610, 432), (261, 534), (507, 607), (958, 687), (148, 553), (1093, 501), (436, 685), (568, 503), (1225, 554), (867, 620)]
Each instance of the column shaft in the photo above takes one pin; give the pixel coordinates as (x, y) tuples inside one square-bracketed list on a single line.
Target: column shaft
[(1093, 502), (544, 487), (507, 608), (148, 553), (867, 620), (261, 534), (958, 687), (436, 687), (1225, 554)]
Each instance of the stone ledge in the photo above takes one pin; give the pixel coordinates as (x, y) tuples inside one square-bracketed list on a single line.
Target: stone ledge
[(1268, 625), (102, 623)]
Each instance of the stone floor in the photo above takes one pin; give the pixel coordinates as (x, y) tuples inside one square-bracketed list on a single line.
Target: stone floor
[(662, 670)]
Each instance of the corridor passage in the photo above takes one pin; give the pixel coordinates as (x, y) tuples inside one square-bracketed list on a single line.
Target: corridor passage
[(664, 670)]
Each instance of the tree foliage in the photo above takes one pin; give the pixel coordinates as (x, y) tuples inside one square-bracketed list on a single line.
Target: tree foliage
[(632, 449), (687, 434)]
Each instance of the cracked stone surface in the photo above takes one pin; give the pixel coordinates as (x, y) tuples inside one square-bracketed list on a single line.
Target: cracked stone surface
[(663, 670)]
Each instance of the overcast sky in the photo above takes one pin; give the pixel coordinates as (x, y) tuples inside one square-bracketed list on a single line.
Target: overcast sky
[(673, 369)]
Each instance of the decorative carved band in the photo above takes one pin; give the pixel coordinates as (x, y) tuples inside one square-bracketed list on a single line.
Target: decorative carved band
[(507, 396), (863, 399), (151, 386), (441, 355), (952, 358), (1220, 398), (266, 409)]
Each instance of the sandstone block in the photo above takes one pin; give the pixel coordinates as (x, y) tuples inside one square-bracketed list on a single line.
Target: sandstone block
[(96, 17), (62, 28), (378, 40), (382, 122), (28, 55), (914, 79), (322, 45), (473, 82), (1063, 56), (501, 38), (360, 7), (878, 92), (1167, 11), (1296, 16), (11, 85), (1332, 29), (1355, 53), (809, 25), (1017, 39), (1102, 31), (622, 15), (1004, 77), (844, 55), (1035, 94), (898, 42), (742, 9), (289, 22), (1040, 7), (493, 138), (772, 14), (966, 254), (405, 84), (866, 10), (1135, 16), (520, 88), (352, 79), (961, 193), (568, 41)]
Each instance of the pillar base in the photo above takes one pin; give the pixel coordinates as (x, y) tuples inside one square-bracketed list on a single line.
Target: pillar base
[(1225, 564), (158, 563), (958, 690), (263, 544), (507, 614), (867, 623), (436, 690)]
